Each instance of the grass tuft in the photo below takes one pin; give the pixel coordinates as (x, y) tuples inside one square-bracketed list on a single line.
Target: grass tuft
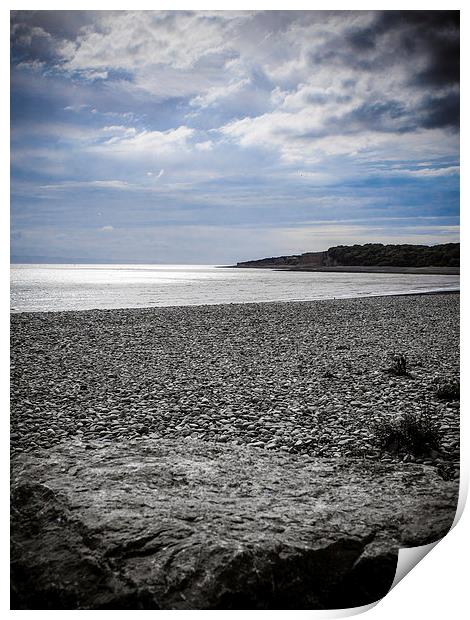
[(412, 433), (448, 391), (398, 366)]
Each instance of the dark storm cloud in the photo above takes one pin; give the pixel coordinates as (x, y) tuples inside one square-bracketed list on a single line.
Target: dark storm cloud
[(385, 116), (441, 112), (434, 35), (363, 39), (36, 36), (437, 35), (444, 65), (60, 24), (394, 116), (426, 43), (416, 38)]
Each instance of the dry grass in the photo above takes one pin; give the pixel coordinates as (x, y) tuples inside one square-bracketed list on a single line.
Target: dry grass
[(413, 433), (448, 391)]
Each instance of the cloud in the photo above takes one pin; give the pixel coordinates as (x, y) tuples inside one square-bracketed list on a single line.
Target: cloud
[(119, 130), (441, 111), (109, 184), (216, 93), (25, 35), (107, 228), (132, 39), (207, 145), (302, 137), (366, 67), (76, 108), (158, 146), (32, 65), (431, 172), (266, 117)]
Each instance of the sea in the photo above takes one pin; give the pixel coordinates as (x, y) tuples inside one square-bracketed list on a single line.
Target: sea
[(46, 288)]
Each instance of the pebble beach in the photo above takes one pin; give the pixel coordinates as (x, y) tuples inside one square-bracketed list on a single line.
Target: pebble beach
[(300, 377)]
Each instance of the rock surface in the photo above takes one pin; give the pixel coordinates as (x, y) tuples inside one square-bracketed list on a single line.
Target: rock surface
[(157, 524)]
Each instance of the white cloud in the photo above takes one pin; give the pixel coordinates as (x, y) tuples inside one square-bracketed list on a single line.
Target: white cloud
[(432, 172), (207, 145), (77, 107), (157, 175), (134, 39), (216, 93), (302, 137), (119, 130), (32, 65), (170, 145), (107, 184), (107, 228)]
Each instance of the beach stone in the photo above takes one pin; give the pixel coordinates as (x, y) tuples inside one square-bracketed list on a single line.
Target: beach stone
[(157, 524)]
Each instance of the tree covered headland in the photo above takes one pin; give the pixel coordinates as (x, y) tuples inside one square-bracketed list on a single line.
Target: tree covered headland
[(403, 255), (368, 255)]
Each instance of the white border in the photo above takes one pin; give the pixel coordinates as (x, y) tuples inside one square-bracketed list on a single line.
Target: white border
[(438, 588)]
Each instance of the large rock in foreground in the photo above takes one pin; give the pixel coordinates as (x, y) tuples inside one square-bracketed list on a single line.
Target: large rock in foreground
[(150, 524)]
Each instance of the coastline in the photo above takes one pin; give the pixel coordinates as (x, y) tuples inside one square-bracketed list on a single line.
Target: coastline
[(450, 271)]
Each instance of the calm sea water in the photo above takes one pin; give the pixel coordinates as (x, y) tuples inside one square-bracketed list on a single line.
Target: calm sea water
[(83, 287)]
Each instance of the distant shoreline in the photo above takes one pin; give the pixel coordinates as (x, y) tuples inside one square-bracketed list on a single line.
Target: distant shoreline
[(451, 271), (448, 271)]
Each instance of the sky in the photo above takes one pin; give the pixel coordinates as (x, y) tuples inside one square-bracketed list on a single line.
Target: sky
[(216, 136)]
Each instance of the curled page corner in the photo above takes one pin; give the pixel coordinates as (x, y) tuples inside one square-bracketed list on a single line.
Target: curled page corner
[(347, 612), (463, 492), (409, 557), (353, 611)]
